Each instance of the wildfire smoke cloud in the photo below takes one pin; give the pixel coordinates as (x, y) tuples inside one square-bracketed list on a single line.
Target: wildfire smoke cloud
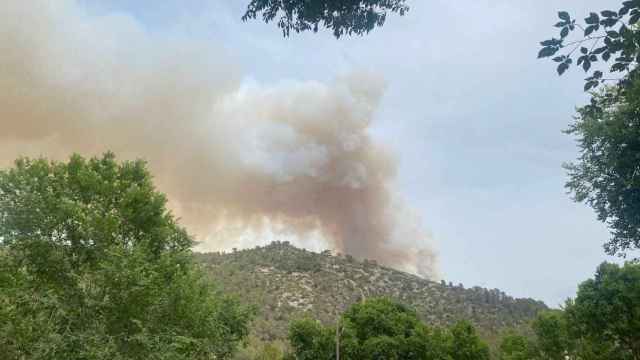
[(295, 155)]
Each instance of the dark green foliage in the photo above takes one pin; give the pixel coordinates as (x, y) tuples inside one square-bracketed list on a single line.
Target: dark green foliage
[(93, 266), (343, 17), (560, 335), (553, 340), (608, 35), (607, 307), (380, 317), (382, 329), (602, 323), (310, 338), (514, 346), (466, 344), (607, 174)]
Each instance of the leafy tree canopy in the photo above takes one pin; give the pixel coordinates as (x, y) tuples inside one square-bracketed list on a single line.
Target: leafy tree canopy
[(553, 340), (514, 346), (343, 17), (601, 323), (93, 266), (466, 344), (607, 307), (607, 173), (381, 329)]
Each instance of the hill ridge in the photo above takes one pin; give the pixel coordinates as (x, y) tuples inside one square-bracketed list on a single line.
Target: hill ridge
[(287, 282)]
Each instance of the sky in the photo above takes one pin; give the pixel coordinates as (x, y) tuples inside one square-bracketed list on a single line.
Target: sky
[(474, 119)]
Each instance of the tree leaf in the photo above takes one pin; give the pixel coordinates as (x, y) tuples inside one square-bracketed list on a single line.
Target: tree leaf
[(590, 29), (563, 15), (592, 19), (618, 67), (562, 68), (550, 42), (599, 50), (623, 11), (564, 32), (547, 51)]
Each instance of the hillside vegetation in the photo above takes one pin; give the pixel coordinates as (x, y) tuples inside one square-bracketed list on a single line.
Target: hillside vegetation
[(287, 283)]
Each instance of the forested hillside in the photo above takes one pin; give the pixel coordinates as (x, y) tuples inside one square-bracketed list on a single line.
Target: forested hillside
[(286, 282)]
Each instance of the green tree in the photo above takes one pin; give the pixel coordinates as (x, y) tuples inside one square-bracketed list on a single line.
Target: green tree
[(606, 175), (466, 343), (607, 308), (601, 323), (380, 317), (429, 343), (343, 17), (382, 329), (515, 347), (93, 266), (553, 340), (310, 340)]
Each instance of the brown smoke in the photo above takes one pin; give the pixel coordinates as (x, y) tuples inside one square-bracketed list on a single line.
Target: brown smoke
[(294, 157)]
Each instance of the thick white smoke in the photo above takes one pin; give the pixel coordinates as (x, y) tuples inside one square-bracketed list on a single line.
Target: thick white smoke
[(294, 156)]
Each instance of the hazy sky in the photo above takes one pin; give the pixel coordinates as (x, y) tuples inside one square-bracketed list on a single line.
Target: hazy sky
[(473, 117)]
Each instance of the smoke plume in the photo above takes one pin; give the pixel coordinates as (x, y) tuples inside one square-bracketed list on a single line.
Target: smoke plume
[(233, 156)]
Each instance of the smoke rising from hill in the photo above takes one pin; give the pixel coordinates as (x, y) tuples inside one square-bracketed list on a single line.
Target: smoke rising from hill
[(294, 156)]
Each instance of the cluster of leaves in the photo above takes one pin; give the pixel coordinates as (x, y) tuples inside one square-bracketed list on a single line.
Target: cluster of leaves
[(93, 266), (607, 173), (602, 323), (343, 17), (609, 35), (379, 328)]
